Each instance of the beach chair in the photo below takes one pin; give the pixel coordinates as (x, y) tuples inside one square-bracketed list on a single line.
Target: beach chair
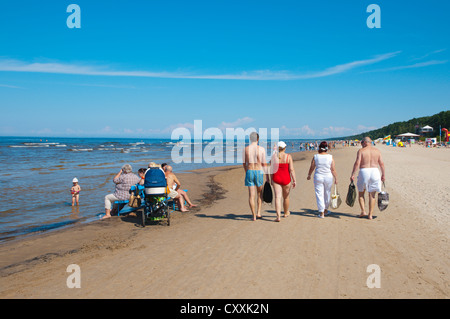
[(173, 204), (120, 204), (156, 204)]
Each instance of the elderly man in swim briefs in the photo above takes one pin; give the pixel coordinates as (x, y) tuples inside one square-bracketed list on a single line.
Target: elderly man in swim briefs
[(368, 159), (254, 164)]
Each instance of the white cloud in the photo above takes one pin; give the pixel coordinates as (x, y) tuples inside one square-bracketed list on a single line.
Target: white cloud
[(412, 66), (10, 86), (297, 131), (106, 129), (238, 123), (43, 131), (139, 131), (11, 65), (348, 66), (363, 128), (429, 53), (170, 128), (335, 131)]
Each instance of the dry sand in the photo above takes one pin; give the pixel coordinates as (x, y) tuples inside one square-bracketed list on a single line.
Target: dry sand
[(216, 251)]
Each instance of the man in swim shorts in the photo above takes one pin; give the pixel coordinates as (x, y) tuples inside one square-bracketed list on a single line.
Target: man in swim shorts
[(254, 163), (368, 159)]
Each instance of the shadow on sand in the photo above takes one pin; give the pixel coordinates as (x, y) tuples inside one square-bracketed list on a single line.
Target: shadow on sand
[(304, 212)]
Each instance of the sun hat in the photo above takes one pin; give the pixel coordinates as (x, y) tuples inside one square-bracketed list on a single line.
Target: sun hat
[(75, 180), (281, 144)]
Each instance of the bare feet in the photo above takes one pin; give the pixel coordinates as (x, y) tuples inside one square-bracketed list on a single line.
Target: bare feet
[(278, 220), (287, 214), (362, 215), (106, 216), (192, 205)]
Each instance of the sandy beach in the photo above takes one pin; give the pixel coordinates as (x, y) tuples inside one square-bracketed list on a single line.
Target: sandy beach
[(217, 251)]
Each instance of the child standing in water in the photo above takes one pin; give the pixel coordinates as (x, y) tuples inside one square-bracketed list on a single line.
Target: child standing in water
[(75, 191)]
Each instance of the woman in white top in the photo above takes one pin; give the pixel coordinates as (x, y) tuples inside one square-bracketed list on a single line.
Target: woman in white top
[(323, 163)]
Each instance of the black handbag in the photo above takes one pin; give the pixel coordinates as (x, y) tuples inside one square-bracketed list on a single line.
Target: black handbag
[(351, 195), (267, 193)]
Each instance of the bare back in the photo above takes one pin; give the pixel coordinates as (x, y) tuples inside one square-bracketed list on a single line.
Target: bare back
[(171, 180), (254, 157), (370, 157)]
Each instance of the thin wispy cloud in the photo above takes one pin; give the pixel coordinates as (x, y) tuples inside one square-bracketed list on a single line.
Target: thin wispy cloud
[(238, 123), (331, 131), (411, 66), (10, 86), (297, 131), (428, 54), (10, 65), (349, 66), (107, 86)]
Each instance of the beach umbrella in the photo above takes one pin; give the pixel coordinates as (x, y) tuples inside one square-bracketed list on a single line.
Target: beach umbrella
[(427, 128), (408, 135)]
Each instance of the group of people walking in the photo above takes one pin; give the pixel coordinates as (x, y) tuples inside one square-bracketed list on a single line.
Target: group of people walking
[(280, 173)]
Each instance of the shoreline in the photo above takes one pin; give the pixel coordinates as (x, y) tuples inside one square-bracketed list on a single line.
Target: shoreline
[(216, 251), (87, 220), (211, 192), (205, 195)]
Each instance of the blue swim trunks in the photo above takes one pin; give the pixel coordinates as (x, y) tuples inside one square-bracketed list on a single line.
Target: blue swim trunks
[(254, 178)]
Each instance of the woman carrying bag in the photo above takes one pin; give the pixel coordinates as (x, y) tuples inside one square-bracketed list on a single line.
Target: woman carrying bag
[(323, 164)]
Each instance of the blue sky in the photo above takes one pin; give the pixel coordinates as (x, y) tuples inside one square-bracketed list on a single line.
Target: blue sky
[(142, 68)]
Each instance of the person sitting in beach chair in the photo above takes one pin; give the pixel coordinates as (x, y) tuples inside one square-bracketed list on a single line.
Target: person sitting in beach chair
[(175, 191), (123, 181), (141, 173)]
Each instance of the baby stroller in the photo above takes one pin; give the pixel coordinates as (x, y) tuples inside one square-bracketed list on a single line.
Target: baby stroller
[(156, 201)]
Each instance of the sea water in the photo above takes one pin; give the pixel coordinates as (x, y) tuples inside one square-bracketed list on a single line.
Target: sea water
[(36, 176)]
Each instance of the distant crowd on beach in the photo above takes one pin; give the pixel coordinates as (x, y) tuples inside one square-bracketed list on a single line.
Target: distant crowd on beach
[(312, 146)]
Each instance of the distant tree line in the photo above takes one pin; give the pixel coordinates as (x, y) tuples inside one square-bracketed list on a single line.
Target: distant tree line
[(412, 126)]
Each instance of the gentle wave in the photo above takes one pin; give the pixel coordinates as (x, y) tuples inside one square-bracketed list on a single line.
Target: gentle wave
[(80, 149)]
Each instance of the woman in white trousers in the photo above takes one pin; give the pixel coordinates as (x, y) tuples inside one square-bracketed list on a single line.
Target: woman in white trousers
[(323, 164)]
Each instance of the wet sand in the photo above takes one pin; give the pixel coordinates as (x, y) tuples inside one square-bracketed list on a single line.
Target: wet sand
[(217, 251)]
